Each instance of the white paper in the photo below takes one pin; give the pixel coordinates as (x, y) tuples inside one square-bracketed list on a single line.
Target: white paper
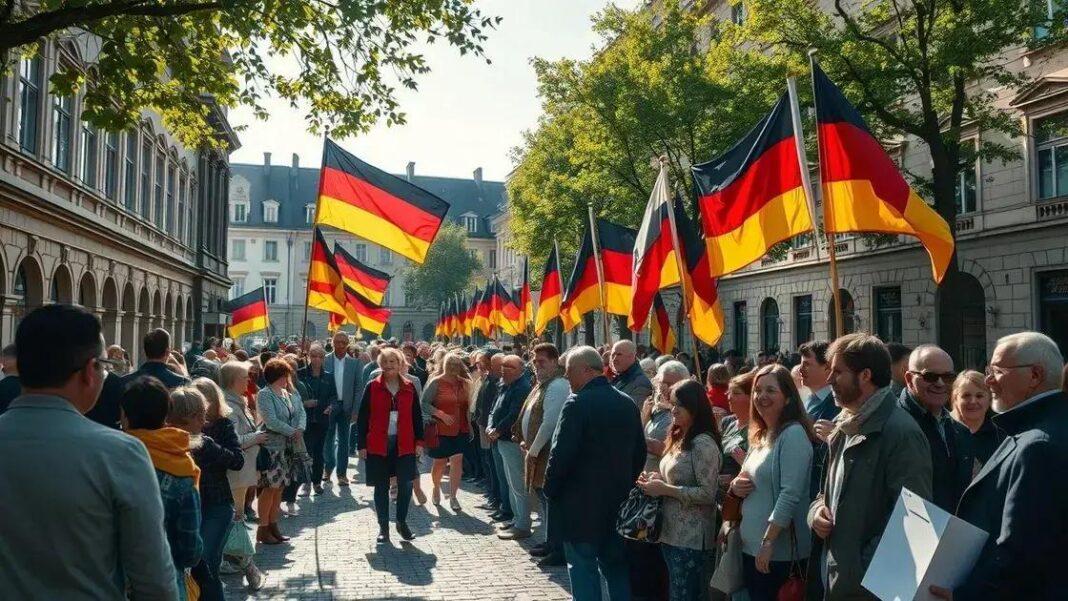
[(922, 545)]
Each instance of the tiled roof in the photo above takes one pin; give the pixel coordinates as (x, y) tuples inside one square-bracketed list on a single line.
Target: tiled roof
[(296, 188)]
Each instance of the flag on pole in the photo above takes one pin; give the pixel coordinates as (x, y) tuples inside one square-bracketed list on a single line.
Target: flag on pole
[(504, 312), (583, 294), (616, 244), (753, 196), (472, 313), (654, 263), (368, 315), (375, 205), (526, 304), (439, 327), (325, 287), (368, 281), (660, 332), (706, 312), (482, 311), (248, 313), (551, 293), (863, 191)]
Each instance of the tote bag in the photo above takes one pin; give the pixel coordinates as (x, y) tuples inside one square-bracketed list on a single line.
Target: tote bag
[(728, 575), (639, 517)]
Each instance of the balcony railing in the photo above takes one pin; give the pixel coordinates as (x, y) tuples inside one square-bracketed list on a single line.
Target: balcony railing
[(1051, 210)]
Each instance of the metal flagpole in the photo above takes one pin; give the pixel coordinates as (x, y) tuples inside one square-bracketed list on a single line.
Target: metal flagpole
[(563, 291), (839, 321), (315, 228), (679, 260), (600, 271)]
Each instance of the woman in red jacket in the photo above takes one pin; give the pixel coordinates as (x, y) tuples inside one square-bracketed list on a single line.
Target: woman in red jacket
[(388, 428)]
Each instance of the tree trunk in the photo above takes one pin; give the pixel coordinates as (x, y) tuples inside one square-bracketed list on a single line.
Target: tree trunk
[(591, 324), (948, 322)]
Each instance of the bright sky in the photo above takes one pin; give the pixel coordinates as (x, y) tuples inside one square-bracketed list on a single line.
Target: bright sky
[(466, 114)]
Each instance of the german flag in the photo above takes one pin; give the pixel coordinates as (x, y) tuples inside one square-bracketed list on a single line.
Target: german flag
[(863, 191), (472, 313), (526, 305), (706, 312), (465, 321), (362, 278), (617, 251), (752, 197), (439, 327), (385, 209), (655, 265), (248, 313), (583, 293), (504, 312), (369, 316), (552, 288), (325, 286), (483, 310), (660, 332)]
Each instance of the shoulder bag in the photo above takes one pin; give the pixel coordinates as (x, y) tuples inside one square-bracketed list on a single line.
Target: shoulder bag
[(640, 517), (794, 587)]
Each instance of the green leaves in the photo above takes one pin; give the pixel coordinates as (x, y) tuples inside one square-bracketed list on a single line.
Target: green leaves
[(447, 270)]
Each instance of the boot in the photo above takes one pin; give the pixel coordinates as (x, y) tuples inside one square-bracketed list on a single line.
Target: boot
[(277, 533), (266, 536), (254, 577)]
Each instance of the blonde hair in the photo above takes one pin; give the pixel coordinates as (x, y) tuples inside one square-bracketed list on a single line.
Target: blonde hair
[(392, 352), (439, 361), (233, 372), (186, 402), (968, 376), (213, 395)]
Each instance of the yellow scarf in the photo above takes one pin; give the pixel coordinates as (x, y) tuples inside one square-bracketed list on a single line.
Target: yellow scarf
[(169, 449)]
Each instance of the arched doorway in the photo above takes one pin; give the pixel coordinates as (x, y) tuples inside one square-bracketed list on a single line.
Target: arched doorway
[(967, 307), (28, 289), (157, 311), (428, 332), (179, 323), (144, 318), (110, 304), (189, 321), (62, 288), (129, 321), (408, 331), (168, 320), (769, 326), (849, 319), (87, 291)]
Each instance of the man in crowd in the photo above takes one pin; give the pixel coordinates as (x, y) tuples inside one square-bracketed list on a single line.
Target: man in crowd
[(10, 387), (157, 346), (410, 354), (597, 453), (514, 388), (321, 402), (899, 364), (928, 381), (630, 379), (497, 495), (1020, 494), (875, 450), (534, 432), (820, 405), (92, 527), (348, 383)]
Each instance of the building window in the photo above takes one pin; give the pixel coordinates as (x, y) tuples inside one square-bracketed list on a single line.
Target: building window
[(386, 256), (190, 216), (1051, 143), (182, 207), (111, 164), (966, 193), (61, 133), (471, 223), (159, 211), (888, 313), (130, 179), (270, 250), (493, 259), (146, 178), (87, 166), (741, 329), (361, 253), (307, 251), (769, 322), (172, 181), (738, 13), (270, 212), (29, 102), (237, 250), (409, 299), (802, 319), (270, 288), (1041, 31), (240, 212), (309, 213), (238, 288)]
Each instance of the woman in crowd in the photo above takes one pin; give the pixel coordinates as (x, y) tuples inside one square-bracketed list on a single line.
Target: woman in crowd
[(656, 411), (302, 461), (446, 401), (687, 480), (774, 483), (232, 377), (321, 397), (389, 425), (735, 427), (145, 406), (716, 381), (970, 404), (283, 416), (200, 410)]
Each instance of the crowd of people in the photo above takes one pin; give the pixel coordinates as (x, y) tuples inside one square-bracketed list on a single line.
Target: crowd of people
[(151, 478)]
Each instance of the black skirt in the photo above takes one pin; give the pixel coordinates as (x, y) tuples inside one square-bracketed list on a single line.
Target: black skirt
[(380, 469), (449, 446)]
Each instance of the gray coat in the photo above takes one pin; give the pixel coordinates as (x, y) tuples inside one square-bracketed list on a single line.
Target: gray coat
[(352, 383), (281, 418), (634, 383), (890, 452)]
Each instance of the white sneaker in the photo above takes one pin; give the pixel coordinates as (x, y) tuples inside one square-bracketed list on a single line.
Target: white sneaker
[(292, 509), (305, 490)]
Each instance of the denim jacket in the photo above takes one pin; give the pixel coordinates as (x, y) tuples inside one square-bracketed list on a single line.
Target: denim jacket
[(181, 522)]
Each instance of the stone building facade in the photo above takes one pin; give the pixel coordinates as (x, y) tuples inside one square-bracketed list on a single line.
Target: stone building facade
[(272, 208), (128, 224)]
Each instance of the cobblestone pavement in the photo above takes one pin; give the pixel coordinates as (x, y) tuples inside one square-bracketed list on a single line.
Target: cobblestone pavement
[(455, 556)]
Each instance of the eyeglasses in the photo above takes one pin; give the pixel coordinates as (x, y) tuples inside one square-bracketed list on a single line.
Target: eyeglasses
[(931, 377), (998, 371)]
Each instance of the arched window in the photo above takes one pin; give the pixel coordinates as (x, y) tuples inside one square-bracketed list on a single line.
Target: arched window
[(849, 322), (770, 325)]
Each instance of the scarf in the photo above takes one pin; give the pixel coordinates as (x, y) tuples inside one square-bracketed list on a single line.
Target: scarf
[(850, 423), (169, 450)]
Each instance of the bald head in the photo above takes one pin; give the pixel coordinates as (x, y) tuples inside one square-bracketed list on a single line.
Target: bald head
[(624, 354), (495, 363), (930, 377), (511, 368)]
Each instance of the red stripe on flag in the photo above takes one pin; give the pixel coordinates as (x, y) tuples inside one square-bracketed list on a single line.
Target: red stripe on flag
[(359, 193), (251, 311), (850, 153), (771, 175)]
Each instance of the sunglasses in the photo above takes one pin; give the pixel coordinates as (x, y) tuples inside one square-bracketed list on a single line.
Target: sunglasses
[(931, 377)]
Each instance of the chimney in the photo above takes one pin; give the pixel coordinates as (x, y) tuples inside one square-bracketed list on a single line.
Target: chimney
[(296, 162), (266, 163), (411, 170), (478, 176)]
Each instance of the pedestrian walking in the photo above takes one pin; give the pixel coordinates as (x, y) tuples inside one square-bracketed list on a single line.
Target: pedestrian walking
[(319, 404), (283, 417), (445, 405)]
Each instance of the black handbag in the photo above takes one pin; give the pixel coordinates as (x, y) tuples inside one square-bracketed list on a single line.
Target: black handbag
[(263, 460), (639, 517)]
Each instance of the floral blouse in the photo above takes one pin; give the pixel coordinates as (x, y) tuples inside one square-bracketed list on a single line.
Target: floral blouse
[(691, 522)]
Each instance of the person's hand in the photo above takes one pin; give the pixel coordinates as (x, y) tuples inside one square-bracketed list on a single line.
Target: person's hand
[(741, 486), (941, 593), (824, 428), (309, 403), (725, 481), (329, 409), (724, 530), (763, 558), (297, 434), (362, 453), (493, 435), (654, 487), (261, 438), (354, 419), (654, 446), (445, 418), (738, 454), (823, 522), (523, 446)]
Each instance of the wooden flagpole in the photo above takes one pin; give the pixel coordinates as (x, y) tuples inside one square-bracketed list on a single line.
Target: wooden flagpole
[(600, 271), (315, 228), (563, 291), (680, 263)]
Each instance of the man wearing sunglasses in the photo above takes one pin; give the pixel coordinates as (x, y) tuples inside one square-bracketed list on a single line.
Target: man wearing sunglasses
[(928, 382)]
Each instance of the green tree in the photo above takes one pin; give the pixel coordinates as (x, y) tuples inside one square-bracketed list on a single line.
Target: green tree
[(343, 60), (448, 269)]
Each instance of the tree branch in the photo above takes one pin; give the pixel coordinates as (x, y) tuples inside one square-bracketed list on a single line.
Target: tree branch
[(876, 107)]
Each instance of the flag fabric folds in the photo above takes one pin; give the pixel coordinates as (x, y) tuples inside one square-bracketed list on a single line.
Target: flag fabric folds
[(364, 313), (375, 205), (660, 333), (706, 312), (654, 263), (482, 311), (248, 313), (582, 294), (325, 286), (863, 191), (368, 281), (472, 313), (752, 197), (551, 294), (439, 327), (504, 312), (526, 304), (616, 244)]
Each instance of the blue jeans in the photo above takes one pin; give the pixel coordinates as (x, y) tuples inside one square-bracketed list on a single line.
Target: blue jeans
[(512, 457), (215, 523), (687, 571), (336, 447), (586, 562), (502, 479)]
